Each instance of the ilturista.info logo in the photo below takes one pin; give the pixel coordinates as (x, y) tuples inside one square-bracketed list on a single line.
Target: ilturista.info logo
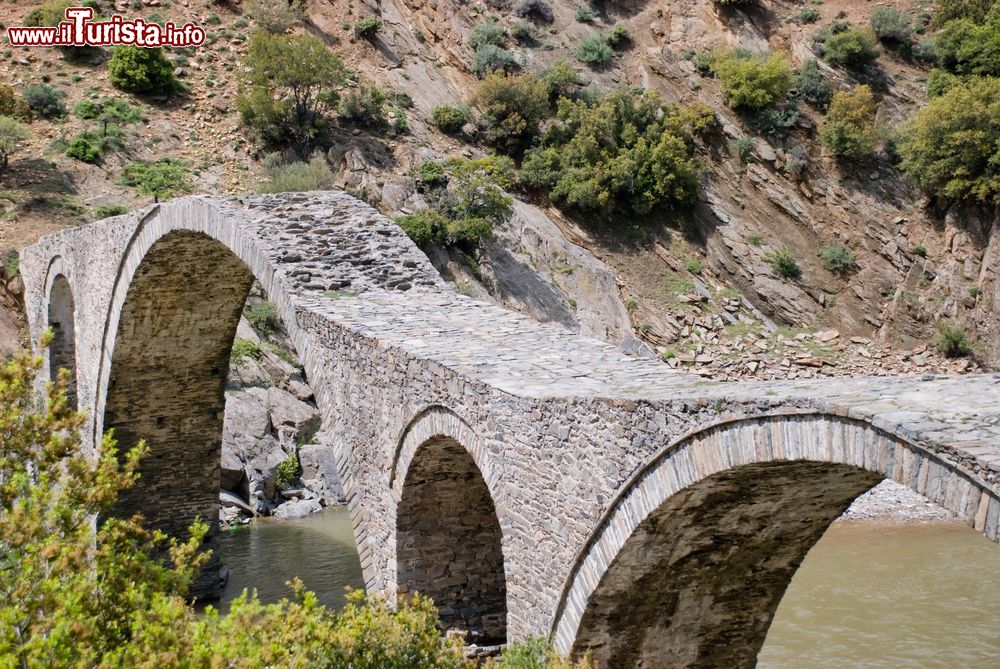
[(79, 29)]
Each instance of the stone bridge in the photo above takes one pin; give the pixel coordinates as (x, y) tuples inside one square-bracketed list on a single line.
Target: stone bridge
[(530, 480)]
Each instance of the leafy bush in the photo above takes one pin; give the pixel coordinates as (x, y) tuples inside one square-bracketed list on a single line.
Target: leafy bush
[(837, 258), (12, 135), (891, 25), (139, 70), (243, 349), (940, 82), (811, 86), (431, 173), (744, 149), (852, 47), (290, 89), (491, 58), (849, 129), (974, 10), (54, 11), (263, 318), (80, 148), (12, 106), (511, 107), (585, 14), (562, 80), (161, 179), (752, 82), (276, 17), (952, 341), (626, 153), (796, 162), (523, 32), (776, 121), (784, 263), (298, 176), (109, 210), (287, 470), (808, 15), (618, 36), (45, 101), (968, 48), (534, 653), (366, 28), (949, 148), (426, 228), (108, 112), (449, 119), (594, 51), (536, 10), (704, 63), (490, 32), (364, 105)]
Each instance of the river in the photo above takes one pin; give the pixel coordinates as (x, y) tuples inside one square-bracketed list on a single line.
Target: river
[(869, 595)]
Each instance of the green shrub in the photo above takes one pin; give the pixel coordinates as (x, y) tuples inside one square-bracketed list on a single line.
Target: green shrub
[(80, 148), (431, 173), (12, 135), (949, 147), (283, 69), (490, 32), (940, 82), (969, 48), (139, 70), (366, 28), (777, 121), (287, 470), (364, 105), (534, 653), (399, 122), (753, 82), (477, 190), (744, 149), (808, 15), (51, 13), (562, 80), (585, 14), (924, 51), (811, 85), (263, 318), (849, 130), (784, 263), (704, 63), (974, 10), (511, 108), (45, 101), (920, 250), (161, 179), (796, 162), (109, 112), (626, 153), (853, 47), (426, 228), (276, 17), (109, 210), (298, 176), (449, 119), (618, 36), (891, 25), (952, 341), (243, 349), (523, 32), (595, 52), (87, 109), (837, 258), (12, 106), (491, 58)]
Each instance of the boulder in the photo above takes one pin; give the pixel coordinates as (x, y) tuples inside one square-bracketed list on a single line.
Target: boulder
[(288, 413), (297, 508), (319, 472)]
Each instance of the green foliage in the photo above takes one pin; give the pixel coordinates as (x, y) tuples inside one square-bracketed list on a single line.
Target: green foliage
[(276, 17), (808, 15), (852, 47), (263, 318), (450, 119), (54, 11), (974, 10), (490, 32), (796, 162), (511, 108), (849, 130), (45, 101), (491, 58), (694, 266), (744, 149), (940, 82), (139, 70), (626, 153), (287, 470), (12, 135), (704, 63), (161, 179), (950, 148), (366, 28), (534, 653), (784, 263), (296, 177), (523, 32), (562, 80), (969, 48), (399, 122), (891, 25), (952, 341), (426, 228), (109, 210), (243, 349), (108, 112), (751, 82), (13, 106), (920, 250), (618, 36), (290, 89), (811, 85), (431, 173), (364, 105), (585, 14), (80, 148), (837, 258), (595, 52)]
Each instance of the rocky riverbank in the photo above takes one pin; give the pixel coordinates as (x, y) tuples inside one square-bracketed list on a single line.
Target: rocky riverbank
[(893, 504)]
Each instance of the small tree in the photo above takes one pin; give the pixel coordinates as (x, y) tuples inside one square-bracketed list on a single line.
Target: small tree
[(753, 82), (849, 130), (139, 70), (952, 341), (511, 108), (12, 135), (276, 17)]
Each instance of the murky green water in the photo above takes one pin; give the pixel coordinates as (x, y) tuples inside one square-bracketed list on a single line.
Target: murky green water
[(867, 596)]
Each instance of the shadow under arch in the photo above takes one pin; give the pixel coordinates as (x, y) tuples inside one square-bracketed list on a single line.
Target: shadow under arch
[(449, 542), (689, 563), (62, 321)]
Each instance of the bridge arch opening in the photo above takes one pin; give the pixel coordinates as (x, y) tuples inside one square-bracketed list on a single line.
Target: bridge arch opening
[(62, 322), (449, 542)]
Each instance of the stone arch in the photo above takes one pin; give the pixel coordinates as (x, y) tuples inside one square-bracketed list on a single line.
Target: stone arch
[(449, 542), (690, 561), (62, 321)]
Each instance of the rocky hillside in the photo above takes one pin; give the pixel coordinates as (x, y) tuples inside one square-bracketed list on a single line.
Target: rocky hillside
[(699, 289)]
